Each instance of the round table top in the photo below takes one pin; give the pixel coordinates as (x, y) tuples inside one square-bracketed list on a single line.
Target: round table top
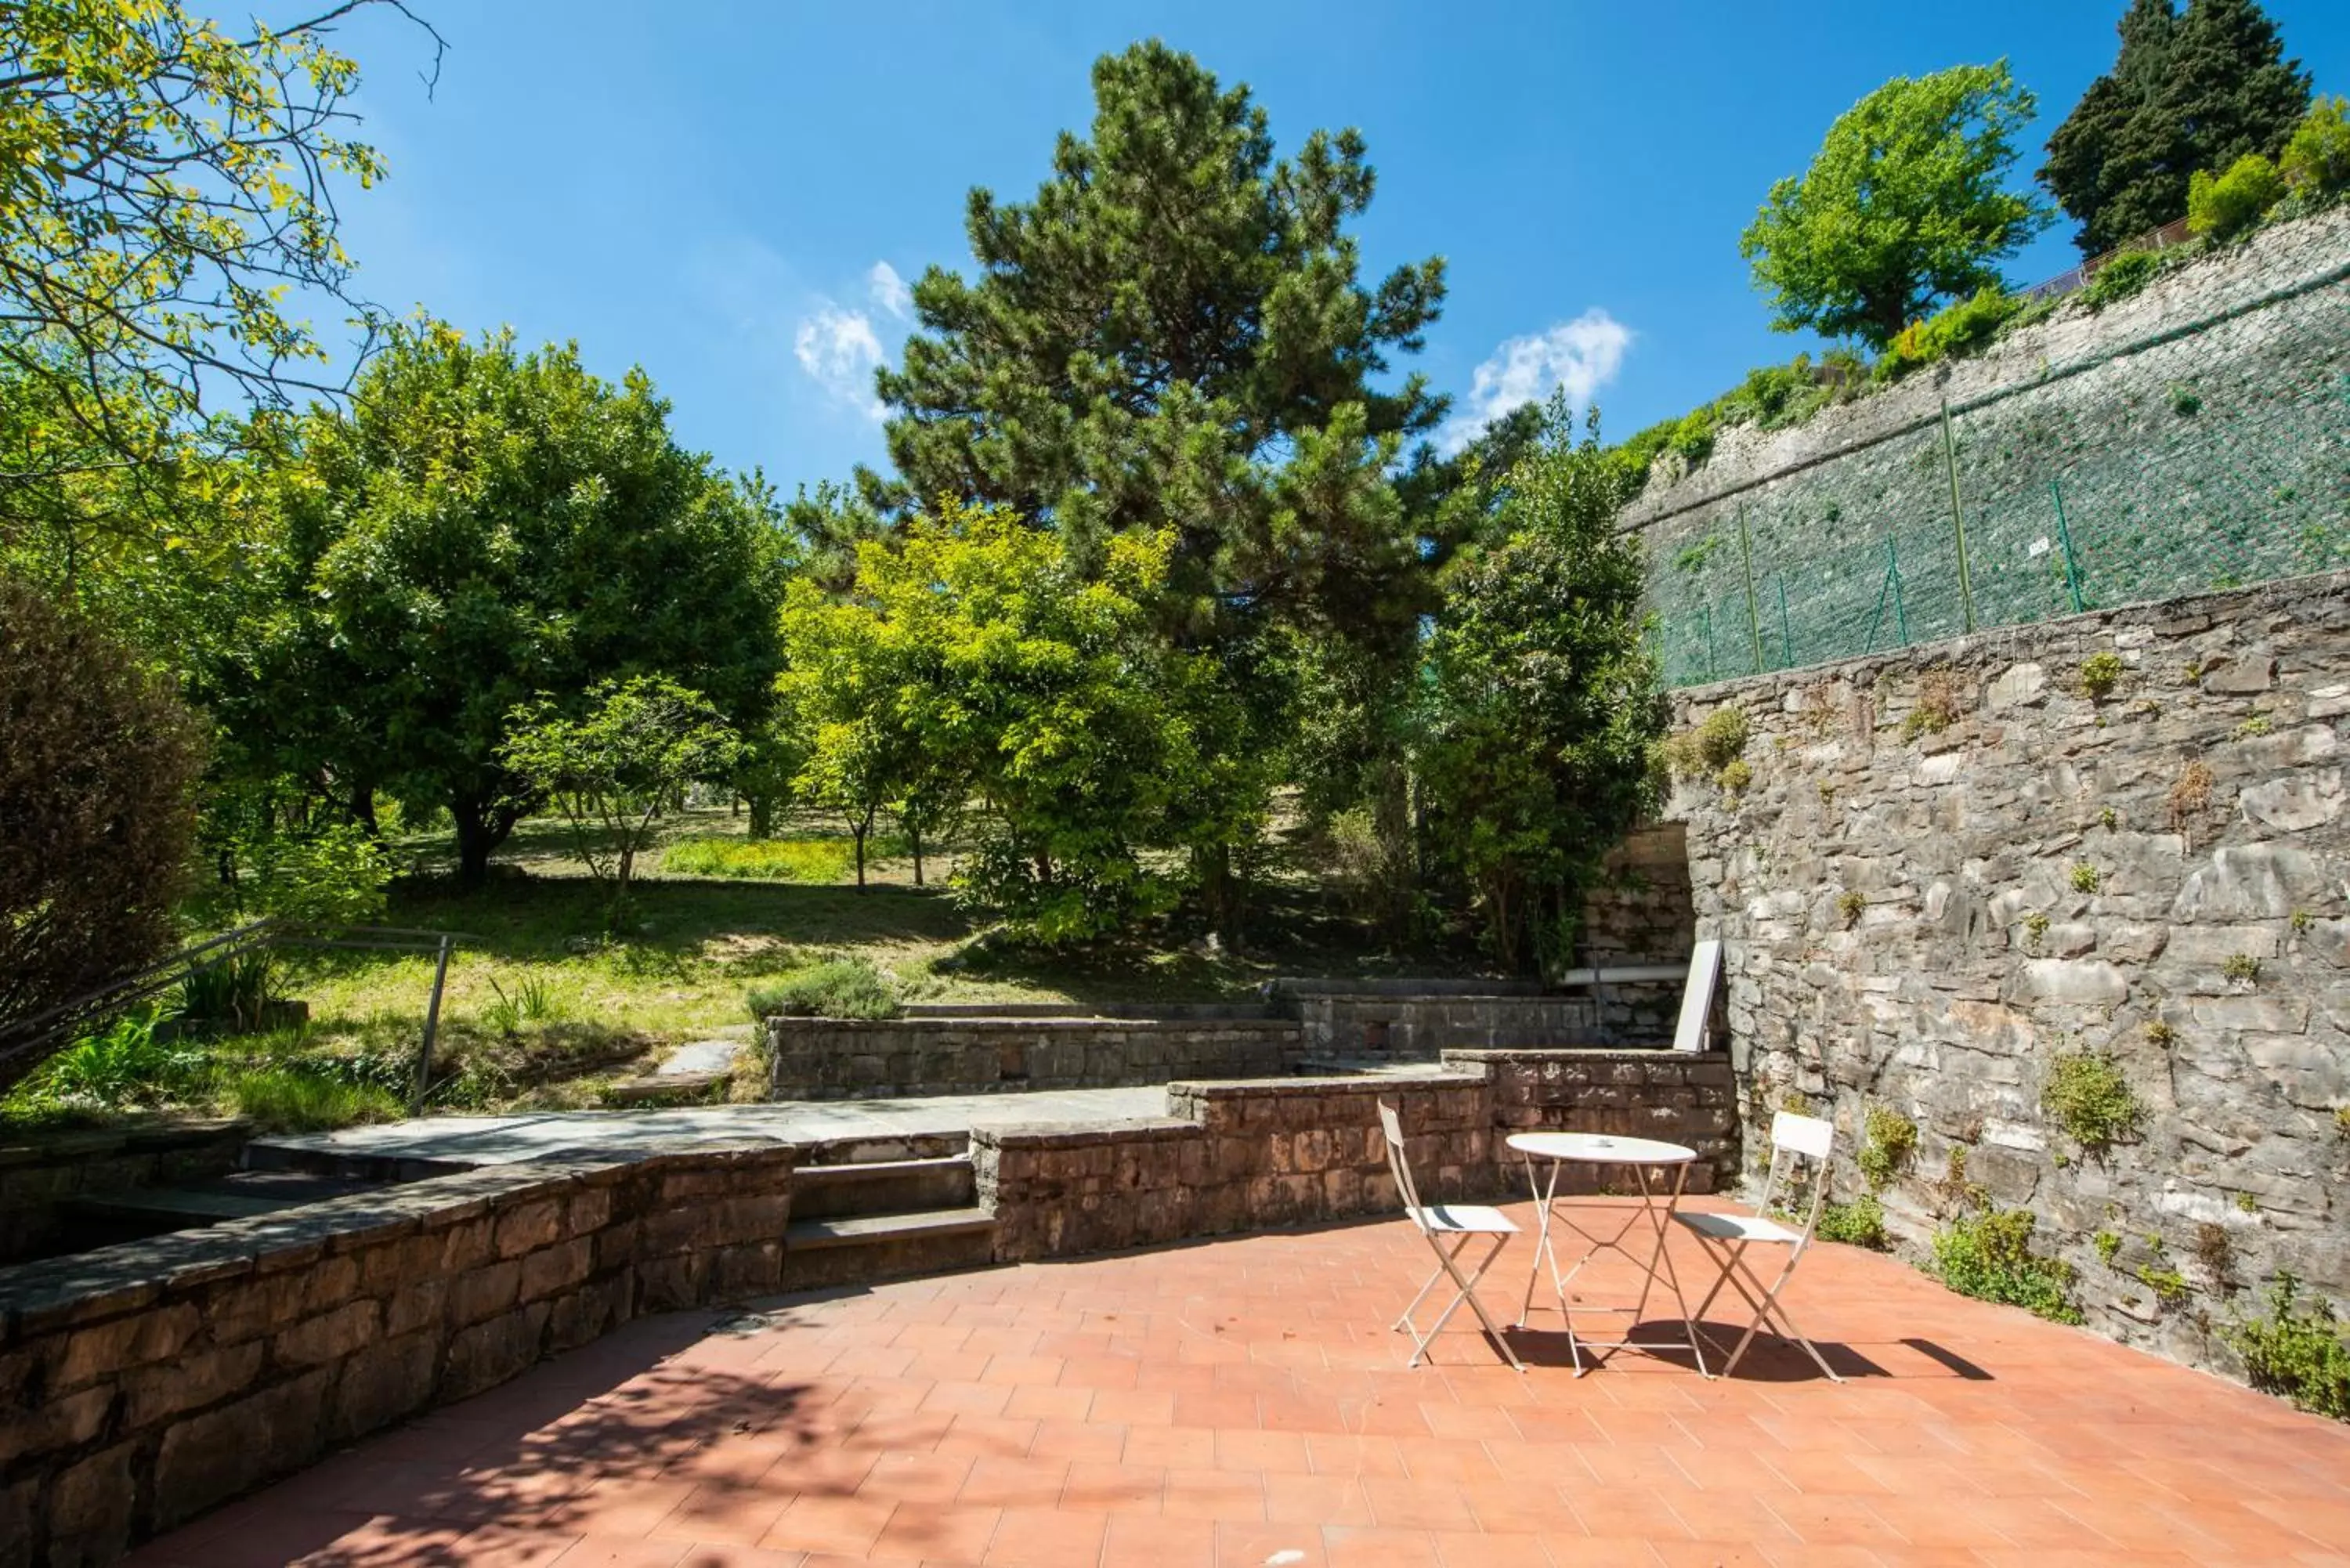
[(1600, 1149)]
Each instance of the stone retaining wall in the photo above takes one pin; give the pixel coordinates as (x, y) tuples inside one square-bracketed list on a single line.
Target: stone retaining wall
[(1930, 919), (839, 1058), (1418, 1028), (41, 1176), (147, 1382), (1234, 1156)]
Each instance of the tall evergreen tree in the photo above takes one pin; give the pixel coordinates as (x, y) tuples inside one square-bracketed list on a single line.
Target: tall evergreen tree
[(1174, 333), (2189, 90)]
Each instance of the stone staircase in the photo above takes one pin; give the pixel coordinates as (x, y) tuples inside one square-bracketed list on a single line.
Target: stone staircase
[(859, 1220)]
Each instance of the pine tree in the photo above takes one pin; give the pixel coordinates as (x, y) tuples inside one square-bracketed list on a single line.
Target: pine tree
[(2189, 90)]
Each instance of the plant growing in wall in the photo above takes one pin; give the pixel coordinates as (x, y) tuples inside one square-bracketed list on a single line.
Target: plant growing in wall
[(2241, 968), (1891, 1139), (2190, 794), (2084, 877), (1938, 705), (1850, 906), (2295, 1351), (1859, 1223), (2087, 1096), (1989, 1256), (1707, 750), (2035, 927), (2100, 673)]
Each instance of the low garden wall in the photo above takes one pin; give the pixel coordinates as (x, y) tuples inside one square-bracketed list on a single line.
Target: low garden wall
[(1417, 1028), (146, 1382), (42, 1176), (2064, 909), (841, 1058), (1237, 1156)]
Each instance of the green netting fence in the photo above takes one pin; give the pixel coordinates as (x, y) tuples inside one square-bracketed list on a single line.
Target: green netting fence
[(2036, 505)]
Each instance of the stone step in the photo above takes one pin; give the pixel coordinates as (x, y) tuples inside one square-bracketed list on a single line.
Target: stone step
[(883, 1187), (131, 1212), (851, 1250)]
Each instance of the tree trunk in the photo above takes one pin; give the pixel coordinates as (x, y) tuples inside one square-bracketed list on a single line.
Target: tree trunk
[(762, 816), (1222, 893), (480, 830), (914, 835), (857, 830), (363, 809)]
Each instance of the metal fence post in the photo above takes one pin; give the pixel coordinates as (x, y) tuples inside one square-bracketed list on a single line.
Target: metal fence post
[(1707, 612), (431, 1028), (1753, 615), (1958, 518), (1786, 631), (2065, 539)]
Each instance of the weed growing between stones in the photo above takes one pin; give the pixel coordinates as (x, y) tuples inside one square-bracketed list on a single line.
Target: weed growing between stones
[(2107, 820), (2168, 1286), (1938, 705), (2241, 967), (1859, 1223), (2085, 877), (2035, 926), (2216, 1251), (2342, 1120), (1734, 776), (2107, 1245), (2299, 1355), (2087, 1095), (2248, 1203), (1710, 748), (1849, 906), (1885, 1151), (2253, 727), (2100, 673), (2302, 921), (2160, 1036), (1989, 1256), (2190, 794)]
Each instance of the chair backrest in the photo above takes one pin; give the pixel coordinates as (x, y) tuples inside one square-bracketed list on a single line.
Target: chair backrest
[(1697, 996), (1793, 1139), (1397, 1167)]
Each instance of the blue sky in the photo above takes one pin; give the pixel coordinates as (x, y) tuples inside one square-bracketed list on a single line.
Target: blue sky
[(723, 191)]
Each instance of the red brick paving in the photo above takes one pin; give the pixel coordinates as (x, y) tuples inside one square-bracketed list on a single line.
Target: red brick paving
[(1241, 1403)]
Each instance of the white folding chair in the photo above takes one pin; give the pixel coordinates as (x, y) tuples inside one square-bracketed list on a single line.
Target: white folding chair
[(1726, 1237), (1463, 1221)]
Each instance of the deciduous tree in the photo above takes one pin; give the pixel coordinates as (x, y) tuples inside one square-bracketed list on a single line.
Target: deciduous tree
[(1905, 206)]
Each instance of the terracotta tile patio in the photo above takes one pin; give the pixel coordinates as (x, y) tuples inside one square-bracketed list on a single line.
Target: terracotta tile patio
[(1241, 1403)]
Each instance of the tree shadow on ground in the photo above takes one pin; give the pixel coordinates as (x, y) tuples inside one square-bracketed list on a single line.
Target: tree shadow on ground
[(533, 1461)]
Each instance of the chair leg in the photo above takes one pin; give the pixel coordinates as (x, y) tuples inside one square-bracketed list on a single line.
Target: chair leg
[(1465, 1290), (1770, 1310)]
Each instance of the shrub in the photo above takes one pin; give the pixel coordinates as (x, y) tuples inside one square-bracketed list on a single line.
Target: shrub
[(841, 988), (97, 775), (2168, 1286), (1693, 438), (2091, 1100), (2100, 673), (2241, 967), (1851, 904), (1710, 747), (760, 859), (1859, 1223), (1890, 1140), (1961, 328), (2223, 206), (2108, 1245), (2316, 161), (1938, 705), (1734, 776), (2118, 279), (2299, 1355), (1989, 1256), (2084, 877), (2035, 926)]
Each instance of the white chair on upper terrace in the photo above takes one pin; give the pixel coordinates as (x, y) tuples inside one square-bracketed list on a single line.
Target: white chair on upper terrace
[(1461, 1222), (1726, 1237)]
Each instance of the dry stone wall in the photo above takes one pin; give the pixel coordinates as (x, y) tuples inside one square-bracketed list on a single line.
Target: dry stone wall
[(838, 1058), (1956, 870)]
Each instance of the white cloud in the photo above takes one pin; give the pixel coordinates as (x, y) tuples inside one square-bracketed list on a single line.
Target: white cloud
[(1581, 356), (889, 291), (838, 350)]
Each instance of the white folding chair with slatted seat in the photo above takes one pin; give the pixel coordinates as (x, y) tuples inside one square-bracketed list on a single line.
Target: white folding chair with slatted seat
[(1463, 1222), (1727, 1237)]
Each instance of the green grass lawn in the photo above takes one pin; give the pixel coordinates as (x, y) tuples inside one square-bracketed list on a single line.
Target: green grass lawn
[(547, 1006)]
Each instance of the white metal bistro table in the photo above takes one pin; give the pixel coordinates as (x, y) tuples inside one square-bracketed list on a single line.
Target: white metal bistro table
[(1558, 1149)]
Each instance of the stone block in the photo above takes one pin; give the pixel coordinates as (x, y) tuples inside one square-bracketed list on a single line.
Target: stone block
[(483, 1293), (554, 1269), (209, 1457), (106, 1349), (528, 1227), (330, 1336), (490, 1353), (54, 1424), (90, 1509), (382, 1383), (413, 1306), (188, 1381)]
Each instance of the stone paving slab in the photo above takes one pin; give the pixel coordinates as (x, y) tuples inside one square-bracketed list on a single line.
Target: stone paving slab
[(1242, 1403), (500, 1140)]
